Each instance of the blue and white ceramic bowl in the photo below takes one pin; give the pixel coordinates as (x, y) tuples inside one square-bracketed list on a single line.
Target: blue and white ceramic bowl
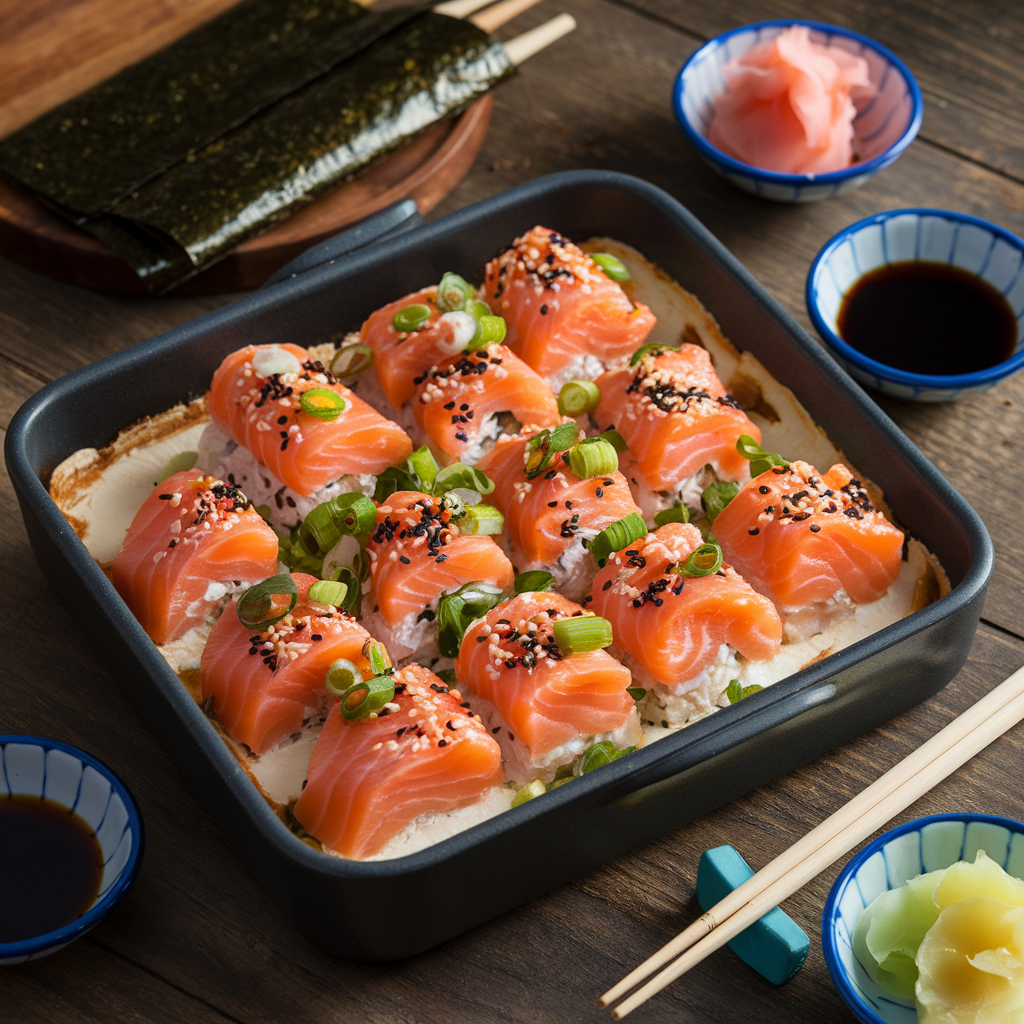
[(926, 844), (69, 776), (938, 236), (883, 128)]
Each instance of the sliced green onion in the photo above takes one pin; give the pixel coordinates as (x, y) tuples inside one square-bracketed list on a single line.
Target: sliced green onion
[(468, 495), (611, 265), (417, 474), (354, 597), (351, 361), (617, 535), (636, 692), (542, 446), (347, 553), (528, 792), (651, 346), (716, 496), (532, 581), (482, 519), (490, 330), (181, 461), (477, 308), (366, 696), (457, 610), (555, 783), (322, 403), (457, 475), (329, 592), (705, 560), (377, 655), (423, 467), (678, 513), (578, 397), (341, 677), (736, 693), (293, 553), (446, 675), (453, 293), (616, 440), (263, 511), (408, 318), (267, 602), (593, 457), (582, 633), (598, 755), (760, 460)]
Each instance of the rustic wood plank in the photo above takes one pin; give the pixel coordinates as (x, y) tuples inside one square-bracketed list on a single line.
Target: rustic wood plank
[(965, 54)]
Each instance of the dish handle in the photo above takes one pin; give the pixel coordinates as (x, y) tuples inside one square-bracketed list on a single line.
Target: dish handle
[(392, 220), (730, 734)]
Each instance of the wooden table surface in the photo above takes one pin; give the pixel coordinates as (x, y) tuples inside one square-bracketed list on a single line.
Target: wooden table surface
[(196, 940)]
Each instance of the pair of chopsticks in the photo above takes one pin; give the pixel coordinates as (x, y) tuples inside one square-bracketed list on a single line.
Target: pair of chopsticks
[(899, 787), (522, 46)]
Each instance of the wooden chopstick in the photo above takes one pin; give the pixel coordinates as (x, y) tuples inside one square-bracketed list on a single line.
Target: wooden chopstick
[(917, 773), (532, 42), (460, 8), (501, 13)]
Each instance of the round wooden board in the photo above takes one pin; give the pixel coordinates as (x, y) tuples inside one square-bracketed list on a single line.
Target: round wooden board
[(426, 170)]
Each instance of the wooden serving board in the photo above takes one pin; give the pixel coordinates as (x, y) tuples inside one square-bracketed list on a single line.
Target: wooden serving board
[(51, 50)]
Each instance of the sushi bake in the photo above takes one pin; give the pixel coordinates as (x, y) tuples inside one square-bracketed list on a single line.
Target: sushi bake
[(513, 527)]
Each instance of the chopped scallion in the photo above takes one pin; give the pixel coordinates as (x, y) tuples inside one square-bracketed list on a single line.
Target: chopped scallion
[(490, 330), (528, 792), (329, 592), (652, 347), (322, 403), (341, 677), (423, 466), (453, 293), (458, 475), (593, 457), (582, 633), (417, 474), (716, 496), (599, 754), (760, 460), (636, 692), (611, 265), (532, 581), (578, 397), (181, 461), (267, 602), (377, 655), (678, 513), (616, 440), (263, 511), (617, 535), (457, 610), (482, 519), (704, 560), (351, 360), (409, 318), (541, 447), (366, 696), (735, 693)]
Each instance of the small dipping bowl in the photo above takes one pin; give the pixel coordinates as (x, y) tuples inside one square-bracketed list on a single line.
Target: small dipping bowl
[(937, 236), (68, 776), (883, 128), (926, 844)]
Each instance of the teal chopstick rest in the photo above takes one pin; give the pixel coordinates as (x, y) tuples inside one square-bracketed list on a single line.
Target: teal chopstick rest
[(775, 946)]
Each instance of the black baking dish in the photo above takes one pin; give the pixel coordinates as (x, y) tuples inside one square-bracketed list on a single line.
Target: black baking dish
[(516, 856)]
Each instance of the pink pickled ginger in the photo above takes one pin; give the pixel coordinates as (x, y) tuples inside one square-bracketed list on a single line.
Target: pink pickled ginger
[(790, 105)]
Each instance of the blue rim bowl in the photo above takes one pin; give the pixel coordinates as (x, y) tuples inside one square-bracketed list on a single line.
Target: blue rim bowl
[(941, 236), (42, 767), (883, 128), (926, 844)]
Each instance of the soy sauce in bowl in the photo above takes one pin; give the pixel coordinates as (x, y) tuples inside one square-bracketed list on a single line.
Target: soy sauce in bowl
[(51, 864), (929, 318)]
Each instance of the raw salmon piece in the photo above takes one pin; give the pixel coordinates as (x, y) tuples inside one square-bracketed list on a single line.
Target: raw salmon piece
[(401, 357), (549, 514), (416, 554), (803, 537), (262, 414), (464, 404), (265, 685), (546, 698), (673, 627), (193, 540), (676, 416), (370, 779), (565, 316)]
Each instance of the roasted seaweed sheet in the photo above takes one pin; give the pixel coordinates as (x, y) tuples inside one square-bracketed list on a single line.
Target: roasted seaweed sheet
[(423, 72), (101, 146)]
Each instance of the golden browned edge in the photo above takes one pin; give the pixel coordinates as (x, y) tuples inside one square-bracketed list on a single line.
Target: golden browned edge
[(932, 584)]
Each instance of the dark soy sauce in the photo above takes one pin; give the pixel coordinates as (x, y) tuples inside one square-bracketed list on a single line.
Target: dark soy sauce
[(51, 865), (929, 318)]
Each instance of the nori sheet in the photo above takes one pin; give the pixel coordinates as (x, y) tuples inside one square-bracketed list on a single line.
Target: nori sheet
[(102, 145), (427, 70)]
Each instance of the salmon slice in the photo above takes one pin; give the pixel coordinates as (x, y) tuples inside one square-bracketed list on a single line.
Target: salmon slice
[(673, 627), (265, 685), (416, 554), (262, 414), (676, 416), (803, 537), (464, 404), (547, 699), (400, 357), (370, 779), (565, 316), (194, 539), (548, 515)]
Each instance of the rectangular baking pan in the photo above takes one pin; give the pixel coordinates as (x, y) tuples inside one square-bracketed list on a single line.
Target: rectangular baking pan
[(359, 909)]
